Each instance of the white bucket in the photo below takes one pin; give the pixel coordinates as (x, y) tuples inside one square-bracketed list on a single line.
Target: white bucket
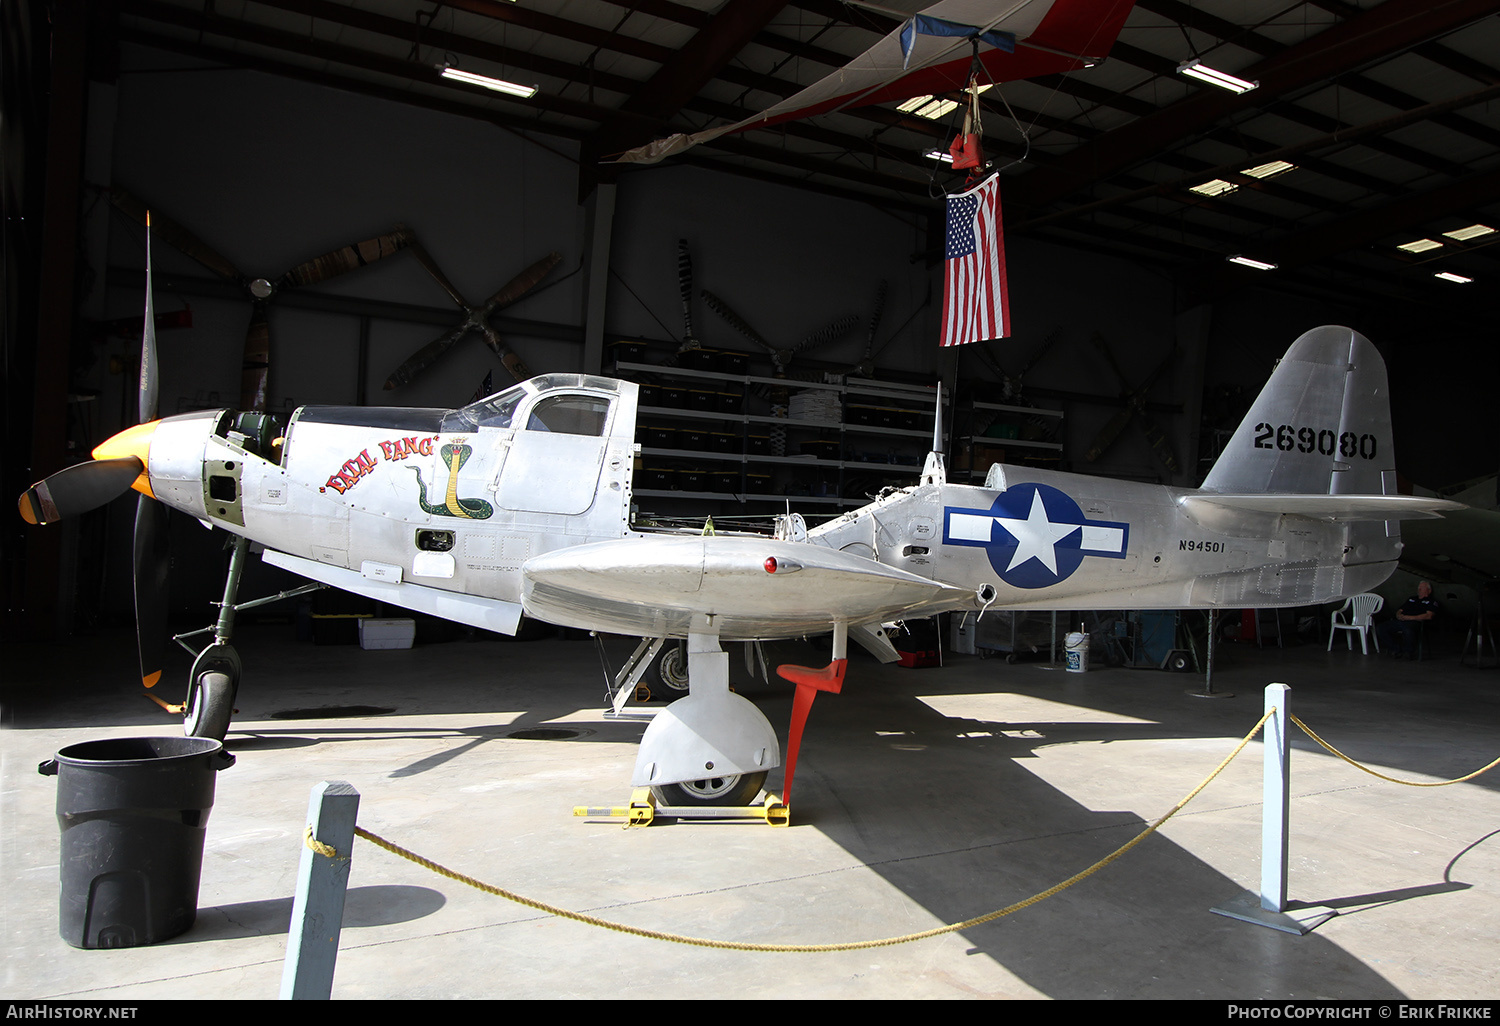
[(1077, 648)]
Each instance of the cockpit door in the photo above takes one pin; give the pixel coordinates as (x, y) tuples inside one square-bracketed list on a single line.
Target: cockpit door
[(556, 455)]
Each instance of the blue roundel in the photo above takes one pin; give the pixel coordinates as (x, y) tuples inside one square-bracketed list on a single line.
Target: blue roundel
[(1034, 535)]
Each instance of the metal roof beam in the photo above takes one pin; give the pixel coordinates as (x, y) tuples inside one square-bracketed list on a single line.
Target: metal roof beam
[(1392, 27), (690, 69)]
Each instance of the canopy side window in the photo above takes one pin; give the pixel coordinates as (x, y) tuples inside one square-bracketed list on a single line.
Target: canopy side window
[(570, 415)]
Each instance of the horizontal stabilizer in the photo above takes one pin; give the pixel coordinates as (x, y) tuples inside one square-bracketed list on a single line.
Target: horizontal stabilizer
[(1327, 507)]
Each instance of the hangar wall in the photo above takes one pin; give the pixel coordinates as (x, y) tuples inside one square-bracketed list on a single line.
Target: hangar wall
[(271, 171)]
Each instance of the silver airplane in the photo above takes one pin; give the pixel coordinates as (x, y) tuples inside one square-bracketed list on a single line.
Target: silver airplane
[(521, 504)]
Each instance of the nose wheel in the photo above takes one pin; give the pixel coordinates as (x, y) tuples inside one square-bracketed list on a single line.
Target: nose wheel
[(212, 685), (210, 705)]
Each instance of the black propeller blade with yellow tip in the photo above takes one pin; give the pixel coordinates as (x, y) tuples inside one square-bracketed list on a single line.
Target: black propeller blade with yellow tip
[(76, 490), (119, 464)]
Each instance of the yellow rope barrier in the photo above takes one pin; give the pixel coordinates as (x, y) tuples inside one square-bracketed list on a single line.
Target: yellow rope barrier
[(849, 946), (326, 850), (1409, 783)]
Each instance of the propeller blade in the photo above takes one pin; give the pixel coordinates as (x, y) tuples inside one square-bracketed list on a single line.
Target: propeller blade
[(685, 286), (425, 259), (522, 283), (175, 235), (875, 321), (837, 330), (153, 558), (418, 361), (1047, 343), (513, 363), (347, 258), (78, 489), (256, 368), (1107, 437), (735, 321), (1159, 441), (147, 399)]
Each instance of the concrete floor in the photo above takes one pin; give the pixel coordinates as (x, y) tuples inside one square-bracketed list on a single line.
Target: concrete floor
[(923, 797)]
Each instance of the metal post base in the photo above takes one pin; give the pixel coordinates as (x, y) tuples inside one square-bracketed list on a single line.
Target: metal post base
[(1296, 919)]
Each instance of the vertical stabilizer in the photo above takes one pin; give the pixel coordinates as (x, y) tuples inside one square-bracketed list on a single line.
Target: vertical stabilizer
[(1321, 425)]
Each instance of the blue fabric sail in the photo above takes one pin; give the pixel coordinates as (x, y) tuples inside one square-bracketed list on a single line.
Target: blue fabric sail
[(929, 26)]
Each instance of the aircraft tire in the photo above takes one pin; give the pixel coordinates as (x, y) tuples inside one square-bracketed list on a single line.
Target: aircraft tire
[(671, 670), (735, 789), (210, 705)]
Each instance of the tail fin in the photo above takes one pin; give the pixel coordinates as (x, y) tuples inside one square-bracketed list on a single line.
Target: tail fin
[(1322, 424)]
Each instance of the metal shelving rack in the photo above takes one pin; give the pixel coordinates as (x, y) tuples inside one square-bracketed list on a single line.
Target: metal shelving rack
[(912, 398), (1039, 447)]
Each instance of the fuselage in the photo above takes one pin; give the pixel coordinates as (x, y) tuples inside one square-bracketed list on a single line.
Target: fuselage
[(1036, 539)]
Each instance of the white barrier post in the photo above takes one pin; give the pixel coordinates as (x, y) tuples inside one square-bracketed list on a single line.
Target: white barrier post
[(312, 944)]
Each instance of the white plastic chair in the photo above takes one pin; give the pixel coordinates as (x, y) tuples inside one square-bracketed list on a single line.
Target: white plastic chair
[(1356, 615)]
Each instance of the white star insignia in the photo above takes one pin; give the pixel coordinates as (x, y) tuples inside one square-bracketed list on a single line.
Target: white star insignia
[(1036, 536)]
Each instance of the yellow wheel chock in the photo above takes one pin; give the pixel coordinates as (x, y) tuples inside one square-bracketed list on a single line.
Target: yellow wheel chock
[(643, 809)]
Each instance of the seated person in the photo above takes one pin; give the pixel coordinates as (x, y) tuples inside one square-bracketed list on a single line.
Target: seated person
[(1399, 635)]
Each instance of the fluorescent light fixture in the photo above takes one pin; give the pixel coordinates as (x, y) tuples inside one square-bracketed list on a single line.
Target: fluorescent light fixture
[(1420, 246), (1449, 276), (1271, 170), (485, 81), (928, 107), (1217, 187), (1474, 231), (1203, 73), (1259, 265), (942, 155)]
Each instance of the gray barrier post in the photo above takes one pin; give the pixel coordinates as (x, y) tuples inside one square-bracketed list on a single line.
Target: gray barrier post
[(318, 911), (1270, 906), (1276, 788)]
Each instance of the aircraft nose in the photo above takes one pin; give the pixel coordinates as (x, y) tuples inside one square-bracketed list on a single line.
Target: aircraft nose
[(135, 441)]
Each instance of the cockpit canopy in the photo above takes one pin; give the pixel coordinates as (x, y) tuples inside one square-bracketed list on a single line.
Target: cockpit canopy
[(574, 412)]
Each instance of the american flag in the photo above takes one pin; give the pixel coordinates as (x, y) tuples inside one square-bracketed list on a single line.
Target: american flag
[(486, 388), (975, 303)]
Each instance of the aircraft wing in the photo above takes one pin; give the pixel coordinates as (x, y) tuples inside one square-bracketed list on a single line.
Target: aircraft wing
[(1048, 36), (1325, 507), (738, 588), (491, 614)]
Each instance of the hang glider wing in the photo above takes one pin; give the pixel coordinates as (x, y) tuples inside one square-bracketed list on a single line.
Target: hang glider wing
[(930, 53)]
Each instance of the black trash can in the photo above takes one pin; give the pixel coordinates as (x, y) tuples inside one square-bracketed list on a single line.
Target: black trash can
[(133, 812)]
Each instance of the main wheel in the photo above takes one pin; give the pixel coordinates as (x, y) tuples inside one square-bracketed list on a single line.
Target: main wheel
[(210, 705), (735, 789), (671, 670)]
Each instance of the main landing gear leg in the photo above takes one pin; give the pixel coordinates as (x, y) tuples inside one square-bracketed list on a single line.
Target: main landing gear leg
[(712, 748), (215, 677)]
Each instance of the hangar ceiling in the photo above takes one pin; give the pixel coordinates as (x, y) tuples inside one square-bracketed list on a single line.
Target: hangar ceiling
[(1387, 111)]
